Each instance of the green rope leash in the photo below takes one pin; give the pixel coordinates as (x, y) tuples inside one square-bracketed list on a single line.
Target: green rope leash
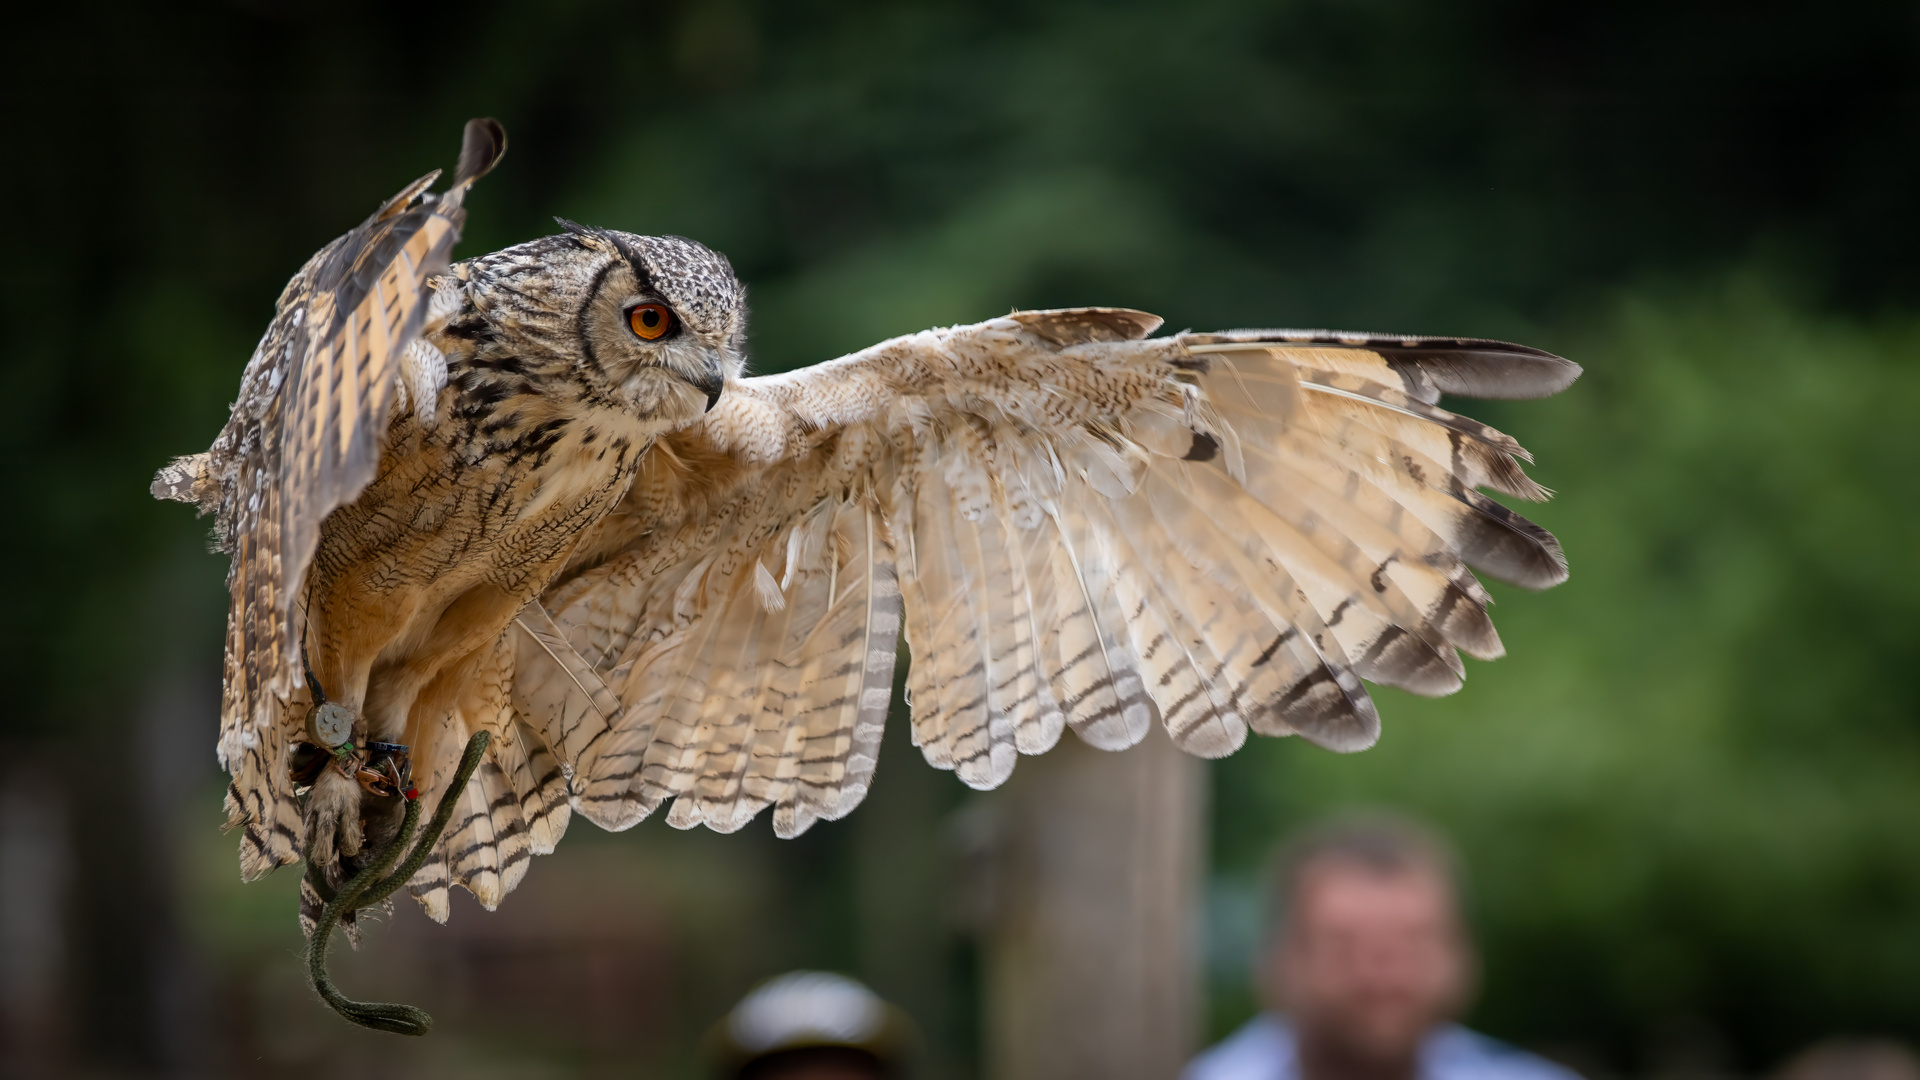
[(363, 890)]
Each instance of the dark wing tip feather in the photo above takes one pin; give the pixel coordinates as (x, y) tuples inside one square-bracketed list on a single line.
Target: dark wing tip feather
[(1464, 623), (1488, 369), (1343, 731), (1322, 710), (1404, 659), (482, 146), (1507, 546), (1468, 367)]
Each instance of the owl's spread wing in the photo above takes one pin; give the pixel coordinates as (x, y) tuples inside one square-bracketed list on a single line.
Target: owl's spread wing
[(303, 439), (1074, 526)]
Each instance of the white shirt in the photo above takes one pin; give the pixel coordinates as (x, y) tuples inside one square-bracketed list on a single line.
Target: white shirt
[(1263, 1049)]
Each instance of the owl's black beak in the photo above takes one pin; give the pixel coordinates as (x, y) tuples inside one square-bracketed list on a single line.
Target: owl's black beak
[(711, 384)]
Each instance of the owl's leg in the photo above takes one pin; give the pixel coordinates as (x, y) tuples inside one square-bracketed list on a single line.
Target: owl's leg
[(332, 813), (343, 819)]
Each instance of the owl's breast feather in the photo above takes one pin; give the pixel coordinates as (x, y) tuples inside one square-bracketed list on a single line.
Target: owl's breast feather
[(590, 454)]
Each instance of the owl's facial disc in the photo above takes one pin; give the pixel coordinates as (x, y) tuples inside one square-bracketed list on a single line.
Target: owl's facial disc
[(642, 346)]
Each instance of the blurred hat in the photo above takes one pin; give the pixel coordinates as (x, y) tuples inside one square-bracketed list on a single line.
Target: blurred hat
[(1853, 1059), (805, 1010)]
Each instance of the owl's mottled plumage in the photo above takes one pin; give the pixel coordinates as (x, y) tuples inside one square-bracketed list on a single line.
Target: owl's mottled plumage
[(501, 508)]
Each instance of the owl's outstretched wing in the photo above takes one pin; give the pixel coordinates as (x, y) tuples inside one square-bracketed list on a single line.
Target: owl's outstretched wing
[(304, 438), (1074, 526)]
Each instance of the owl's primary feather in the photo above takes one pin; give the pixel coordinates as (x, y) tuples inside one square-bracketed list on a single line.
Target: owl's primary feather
[(480, 497)]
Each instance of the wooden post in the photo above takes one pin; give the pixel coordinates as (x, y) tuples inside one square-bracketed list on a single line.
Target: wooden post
[(1092, 941)]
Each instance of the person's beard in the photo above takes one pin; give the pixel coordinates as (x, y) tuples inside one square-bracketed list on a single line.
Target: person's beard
[(1327, 1055)]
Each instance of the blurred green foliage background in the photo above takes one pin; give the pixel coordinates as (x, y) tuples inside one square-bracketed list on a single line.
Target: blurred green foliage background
[(1687, 798)]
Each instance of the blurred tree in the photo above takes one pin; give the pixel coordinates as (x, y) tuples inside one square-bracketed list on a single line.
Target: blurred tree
[(1094, 865)]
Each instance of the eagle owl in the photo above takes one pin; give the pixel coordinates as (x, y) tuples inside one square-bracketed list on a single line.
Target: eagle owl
[(535, 494)]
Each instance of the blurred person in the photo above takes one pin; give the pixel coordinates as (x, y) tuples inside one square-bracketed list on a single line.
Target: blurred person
[(1366, 967), (812, 1025), (1852, 1059)]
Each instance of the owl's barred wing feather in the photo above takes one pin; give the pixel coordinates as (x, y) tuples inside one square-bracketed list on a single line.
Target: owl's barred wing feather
[(1074, 526), (304, 438), (751, 647)]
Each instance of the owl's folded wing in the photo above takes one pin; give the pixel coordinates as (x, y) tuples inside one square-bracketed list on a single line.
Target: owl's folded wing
[(303, 439), (1074, 526)]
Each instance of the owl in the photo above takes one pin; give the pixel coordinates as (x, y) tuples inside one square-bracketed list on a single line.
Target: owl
[(535, 494)]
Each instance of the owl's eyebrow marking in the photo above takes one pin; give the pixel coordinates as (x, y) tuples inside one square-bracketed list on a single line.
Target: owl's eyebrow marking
[(580, 317), (593, 287), (638, 267), (626, 250)]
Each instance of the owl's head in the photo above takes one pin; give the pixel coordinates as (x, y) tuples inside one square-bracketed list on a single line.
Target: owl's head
[(657, 323)]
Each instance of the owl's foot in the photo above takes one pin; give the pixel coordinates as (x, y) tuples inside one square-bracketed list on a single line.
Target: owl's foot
[(348, 827), (333, 821), (346, 818), (353, 798)]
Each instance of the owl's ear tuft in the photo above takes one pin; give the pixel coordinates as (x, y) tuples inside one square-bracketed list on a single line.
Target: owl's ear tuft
[(595, 237), (592, 238), (481, 147), (606, 240), (585, 232)]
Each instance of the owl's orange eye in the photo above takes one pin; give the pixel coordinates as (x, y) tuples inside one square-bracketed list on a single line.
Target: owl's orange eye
[(650, 321)]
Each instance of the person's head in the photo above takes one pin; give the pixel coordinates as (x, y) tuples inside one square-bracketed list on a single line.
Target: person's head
[(811, 1025), (1367, 950)]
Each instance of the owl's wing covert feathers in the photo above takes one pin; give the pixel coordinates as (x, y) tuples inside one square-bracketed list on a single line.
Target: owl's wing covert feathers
[(304, 438), (1074, 526)]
